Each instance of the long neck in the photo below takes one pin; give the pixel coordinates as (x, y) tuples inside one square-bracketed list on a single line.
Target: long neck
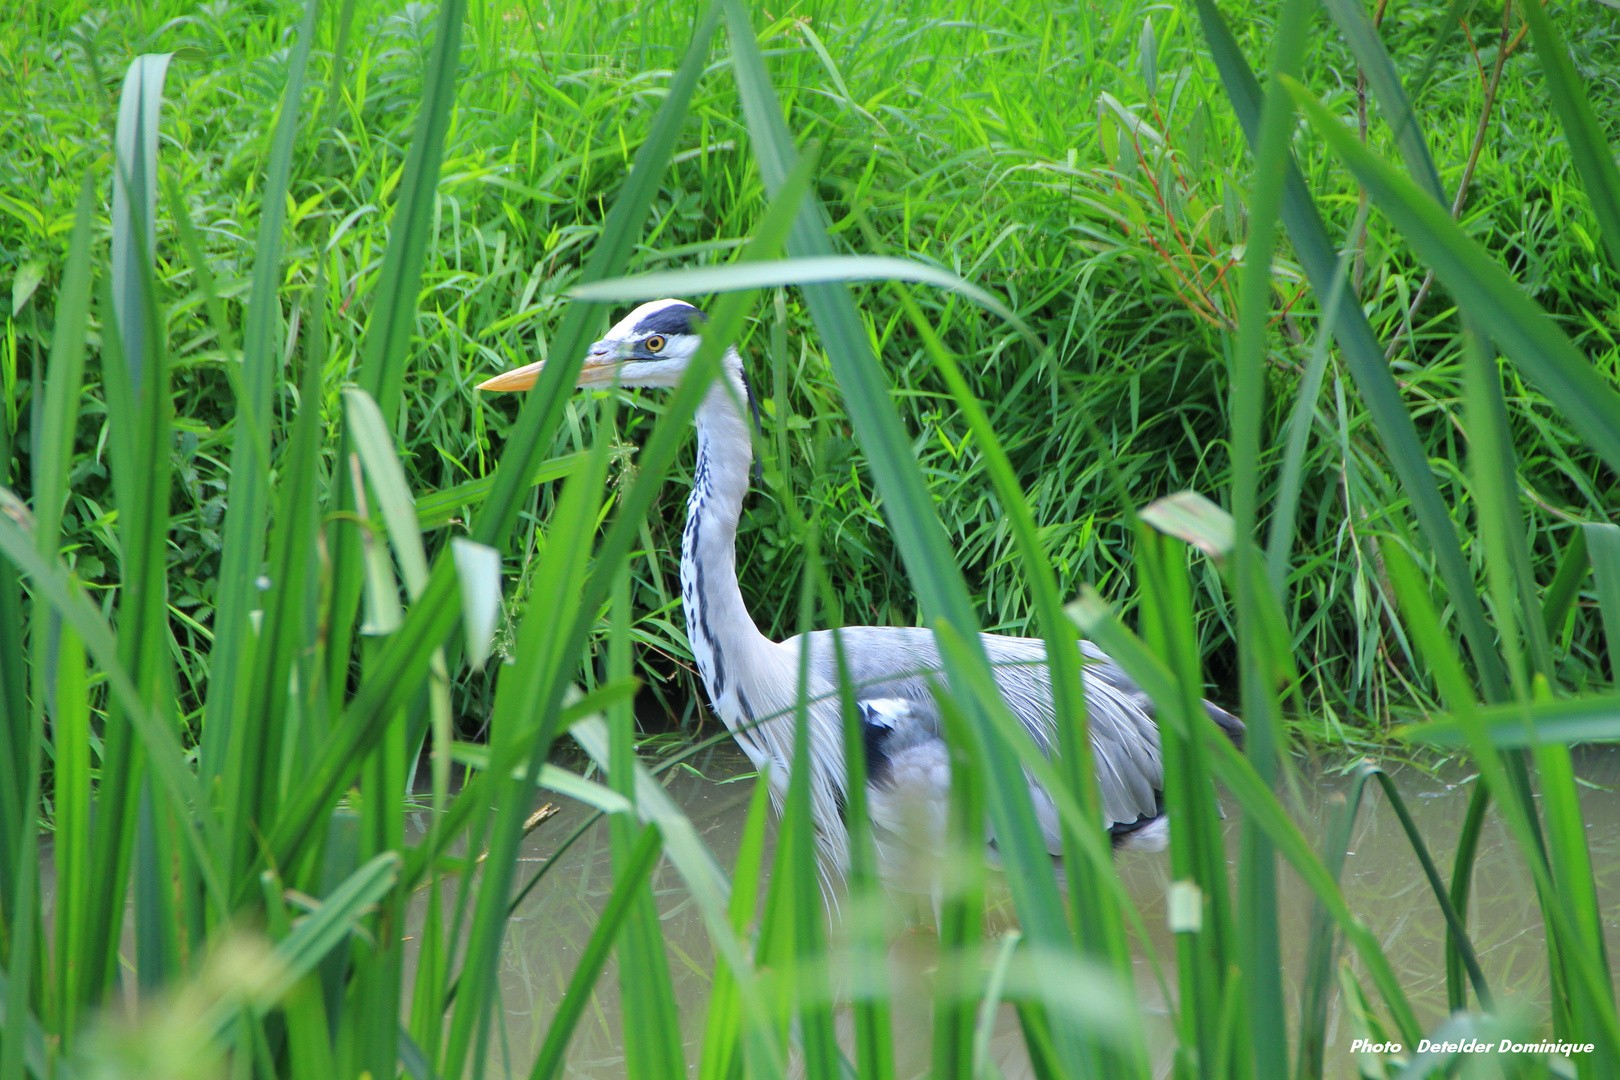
[(726, 644)]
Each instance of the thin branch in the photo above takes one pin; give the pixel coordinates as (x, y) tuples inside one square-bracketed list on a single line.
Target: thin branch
[(1504, 49)]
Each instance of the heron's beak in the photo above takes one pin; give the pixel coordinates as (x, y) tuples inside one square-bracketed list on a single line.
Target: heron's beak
[(517, 379), (600, 364)]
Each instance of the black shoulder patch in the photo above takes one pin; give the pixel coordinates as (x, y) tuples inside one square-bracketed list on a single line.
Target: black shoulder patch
[(674, 319)]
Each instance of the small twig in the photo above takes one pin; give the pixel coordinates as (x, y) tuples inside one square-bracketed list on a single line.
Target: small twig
[(1186, 187), (1468, 35), (1504, 48), (534, 821), (1358, 266)]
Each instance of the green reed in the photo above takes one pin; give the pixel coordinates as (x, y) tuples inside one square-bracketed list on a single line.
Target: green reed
[(229, 767)]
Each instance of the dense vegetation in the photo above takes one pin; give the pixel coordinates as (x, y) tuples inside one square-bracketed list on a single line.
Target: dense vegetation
[(258, 533), (992, 149)]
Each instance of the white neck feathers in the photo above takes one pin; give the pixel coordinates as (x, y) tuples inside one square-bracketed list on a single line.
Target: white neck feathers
[(728, 648)]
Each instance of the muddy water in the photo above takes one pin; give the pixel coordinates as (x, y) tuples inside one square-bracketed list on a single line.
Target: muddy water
[(1381, 881)]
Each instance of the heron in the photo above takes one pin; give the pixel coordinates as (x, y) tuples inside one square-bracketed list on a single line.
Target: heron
[(753, 683)]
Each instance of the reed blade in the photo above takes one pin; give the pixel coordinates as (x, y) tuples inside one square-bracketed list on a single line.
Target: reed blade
[(242, 557), (1365, 359), (942, 595)]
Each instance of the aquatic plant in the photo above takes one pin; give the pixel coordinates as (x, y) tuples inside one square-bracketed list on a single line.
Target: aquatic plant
[(232, 621)]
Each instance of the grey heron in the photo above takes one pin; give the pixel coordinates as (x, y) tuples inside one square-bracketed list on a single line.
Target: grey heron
[(752, 682)]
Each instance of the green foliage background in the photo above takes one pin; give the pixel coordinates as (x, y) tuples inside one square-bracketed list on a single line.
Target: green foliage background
[(991, 142), (1084, 165)]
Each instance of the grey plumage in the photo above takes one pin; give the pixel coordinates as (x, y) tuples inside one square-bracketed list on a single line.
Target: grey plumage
[(753, 682)]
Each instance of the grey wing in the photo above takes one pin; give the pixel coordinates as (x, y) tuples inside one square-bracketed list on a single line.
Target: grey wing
[(1124, 737), (891, 667)]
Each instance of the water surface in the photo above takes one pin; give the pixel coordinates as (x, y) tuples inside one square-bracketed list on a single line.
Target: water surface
[(1382, 882)]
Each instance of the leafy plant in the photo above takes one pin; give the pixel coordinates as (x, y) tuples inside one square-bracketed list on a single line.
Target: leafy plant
[(231, 632)]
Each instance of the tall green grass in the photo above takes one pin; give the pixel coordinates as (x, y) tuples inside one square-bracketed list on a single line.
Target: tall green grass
[(226, 764)]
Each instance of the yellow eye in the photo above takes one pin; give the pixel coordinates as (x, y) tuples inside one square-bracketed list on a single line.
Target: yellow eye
[(655, 343)]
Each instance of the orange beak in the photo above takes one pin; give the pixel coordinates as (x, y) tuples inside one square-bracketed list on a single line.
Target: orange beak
[(601, 367), (517, 379)]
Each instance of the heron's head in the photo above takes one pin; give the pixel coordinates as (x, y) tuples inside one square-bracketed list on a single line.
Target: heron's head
[(651, 346)]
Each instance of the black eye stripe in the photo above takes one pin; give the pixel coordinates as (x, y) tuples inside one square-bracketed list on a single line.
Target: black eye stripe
[(674, 319)]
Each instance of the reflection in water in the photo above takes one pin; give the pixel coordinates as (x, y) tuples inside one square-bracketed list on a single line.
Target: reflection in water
[(1382, 883)]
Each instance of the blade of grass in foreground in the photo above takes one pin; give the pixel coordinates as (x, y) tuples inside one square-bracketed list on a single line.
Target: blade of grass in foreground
[(1352, 20), (248, 496), (1588, 148), (1260, 952), (960, 897), (646, 993), (1365, 358), (796, 848), (810, 270), (1576, 962), (531, 686), (874, 1034), (386, 349), (71, 745), (26, 922), (1516, 322), (254, 768), (931, 567), (134, 225), (722, 1030), (628, 885), (135, 380), (1207, 958), (398, 669), (1256, 797), (1316, 985)]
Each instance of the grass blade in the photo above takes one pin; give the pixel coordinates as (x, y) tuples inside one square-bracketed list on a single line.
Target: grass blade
[(1457, 931), (941, 592), (256, 772), (1260, 951), (1362, 37), (646, 993), (1365, 359), (1462, 876), (64, 380), (1603, 544), (1588, 148), (436, 509), (1570, 720), (386, 350), (628, 884), (874, 1035), (134, 221), (1482, 288), (1316, 985), (796, 846), (810, 270), (249, 494), (135, 381)]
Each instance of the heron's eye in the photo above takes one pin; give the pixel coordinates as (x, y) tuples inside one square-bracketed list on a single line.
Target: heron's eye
[(655, 343)]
